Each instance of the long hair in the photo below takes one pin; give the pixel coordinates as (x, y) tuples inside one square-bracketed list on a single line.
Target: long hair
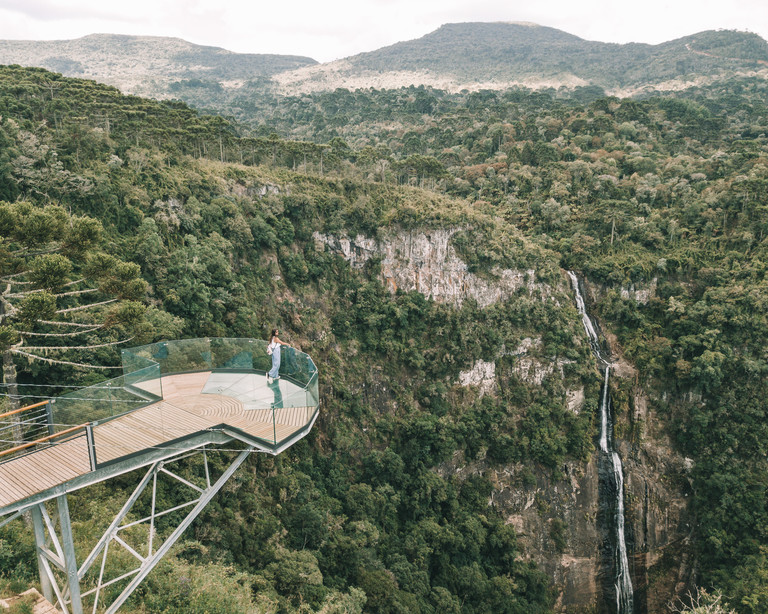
[(272, 335)]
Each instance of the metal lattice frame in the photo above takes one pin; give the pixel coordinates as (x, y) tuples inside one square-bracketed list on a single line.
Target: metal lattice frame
[(61, 578)]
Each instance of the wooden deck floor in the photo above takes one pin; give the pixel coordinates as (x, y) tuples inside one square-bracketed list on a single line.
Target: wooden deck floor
[(192, 403)]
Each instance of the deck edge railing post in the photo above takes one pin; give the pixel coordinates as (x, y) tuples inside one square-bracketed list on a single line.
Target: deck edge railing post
[(51, 403), (91, 446), (160, 379), (49, 416)]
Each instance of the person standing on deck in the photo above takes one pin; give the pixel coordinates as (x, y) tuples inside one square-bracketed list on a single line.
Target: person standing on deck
[(274, 349)]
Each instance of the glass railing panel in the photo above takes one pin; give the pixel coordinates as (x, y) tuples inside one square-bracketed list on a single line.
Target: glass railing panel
[(313, 389), (298, 397), (233, 354), (183, 356), (296, 365), (104, 400), (145, 383), (261, 360), (134, 360), (138, 358)]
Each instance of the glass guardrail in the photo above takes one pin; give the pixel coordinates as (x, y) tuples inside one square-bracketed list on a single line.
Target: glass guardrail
[(107, 399), (237, 365)]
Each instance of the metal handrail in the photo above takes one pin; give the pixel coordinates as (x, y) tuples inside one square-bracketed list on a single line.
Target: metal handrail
[(29, 444), (21, 409)]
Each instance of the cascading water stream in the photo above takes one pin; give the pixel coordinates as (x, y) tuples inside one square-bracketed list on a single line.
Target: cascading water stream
[(622, 582)]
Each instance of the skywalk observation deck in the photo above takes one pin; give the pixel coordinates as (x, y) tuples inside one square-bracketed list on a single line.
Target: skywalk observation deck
[(173, 397)]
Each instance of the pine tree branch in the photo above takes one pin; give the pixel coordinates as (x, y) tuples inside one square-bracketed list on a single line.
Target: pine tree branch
[(81, 307), (12, 275), (75, 347), (26, 293), (76, 292), (55, 323), (41, 252), (79, 332), (38, 290), (8, 280), (60, 362)]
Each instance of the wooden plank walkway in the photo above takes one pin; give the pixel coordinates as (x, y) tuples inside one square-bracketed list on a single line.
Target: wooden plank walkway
[(184, 410), (29, 474)]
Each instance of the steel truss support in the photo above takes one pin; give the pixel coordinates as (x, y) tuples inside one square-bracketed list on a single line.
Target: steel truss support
[(60, 577)]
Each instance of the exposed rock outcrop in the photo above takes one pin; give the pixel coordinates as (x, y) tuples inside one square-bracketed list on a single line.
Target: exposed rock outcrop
[(556, 521), (482, 374), (425, 261), (640, 293), (556, 524)]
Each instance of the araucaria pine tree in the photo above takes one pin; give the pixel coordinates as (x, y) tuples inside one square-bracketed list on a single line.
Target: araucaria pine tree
[(63, 300)]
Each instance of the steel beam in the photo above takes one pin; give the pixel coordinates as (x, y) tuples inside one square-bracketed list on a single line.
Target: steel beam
[(70, 560), (120, 467), (152, 560), (112, 529), (40, 546), (55, 546)]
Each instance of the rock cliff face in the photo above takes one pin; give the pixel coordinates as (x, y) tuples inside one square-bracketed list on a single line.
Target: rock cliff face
[(558, 520), (656, 484), (482, 375), (427, 262), (556, 523)]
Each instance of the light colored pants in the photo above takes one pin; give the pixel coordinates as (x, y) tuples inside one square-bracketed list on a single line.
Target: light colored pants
[(275, 371)]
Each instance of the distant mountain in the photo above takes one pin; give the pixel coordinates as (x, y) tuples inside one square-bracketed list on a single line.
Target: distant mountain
[(454, 57), (499, 55), (147, 65)]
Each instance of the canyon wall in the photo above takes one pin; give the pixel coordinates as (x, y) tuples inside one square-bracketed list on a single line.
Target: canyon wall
[(557, 519)]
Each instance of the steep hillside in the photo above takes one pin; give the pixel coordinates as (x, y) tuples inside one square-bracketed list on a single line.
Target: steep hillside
[(357, 516), (146, 65)]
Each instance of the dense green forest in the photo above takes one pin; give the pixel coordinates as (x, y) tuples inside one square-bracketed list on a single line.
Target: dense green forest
[(365, 514)]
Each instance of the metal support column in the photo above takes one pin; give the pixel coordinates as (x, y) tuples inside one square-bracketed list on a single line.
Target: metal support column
[(112, 529), (40, 547), (150, 562), (64, 583), (70, 560)]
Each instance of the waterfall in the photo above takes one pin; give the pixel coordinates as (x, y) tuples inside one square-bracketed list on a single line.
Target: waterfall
[(622, 583), (589, 328)]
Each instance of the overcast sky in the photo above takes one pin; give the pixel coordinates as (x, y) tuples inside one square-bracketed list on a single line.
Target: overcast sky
[(332, 29)]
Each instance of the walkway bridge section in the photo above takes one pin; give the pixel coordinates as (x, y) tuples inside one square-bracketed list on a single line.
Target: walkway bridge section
[(174, 399)]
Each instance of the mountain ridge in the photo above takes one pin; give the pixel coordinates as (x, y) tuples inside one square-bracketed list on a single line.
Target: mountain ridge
[(456, 56), (144, 64), (498, 55)]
